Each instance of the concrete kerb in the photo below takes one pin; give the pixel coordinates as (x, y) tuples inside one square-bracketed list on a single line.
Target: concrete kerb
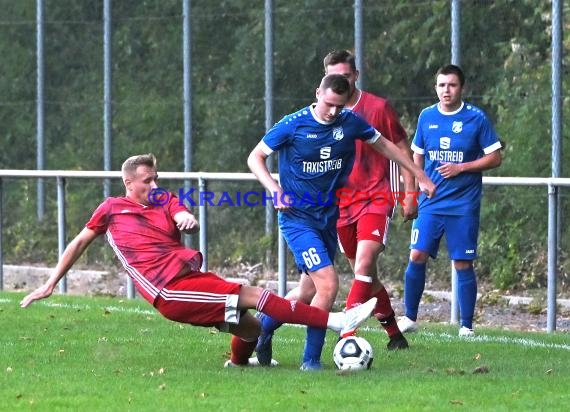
[(92, 282)]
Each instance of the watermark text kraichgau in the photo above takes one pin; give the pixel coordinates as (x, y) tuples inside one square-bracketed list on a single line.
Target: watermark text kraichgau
[(252, 198)]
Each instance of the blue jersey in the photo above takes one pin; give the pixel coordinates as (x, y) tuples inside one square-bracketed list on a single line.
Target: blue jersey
[(315, 159), (456, 137)]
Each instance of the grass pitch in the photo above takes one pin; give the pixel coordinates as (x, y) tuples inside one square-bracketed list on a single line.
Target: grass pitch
[(102, 354)]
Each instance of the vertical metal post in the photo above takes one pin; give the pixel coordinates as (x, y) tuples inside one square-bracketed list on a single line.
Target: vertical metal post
[(269, 209), (552, 259), (553, 191), (1, 231), (61, 226), (282, 266), (456, 32), (455, 59), (454, 317), (359, 42), (107, 98), (40, 106), (187, 93), (202, 219)]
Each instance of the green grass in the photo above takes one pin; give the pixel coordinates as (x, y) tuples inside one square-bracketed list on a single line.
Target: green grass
[(100, 354)]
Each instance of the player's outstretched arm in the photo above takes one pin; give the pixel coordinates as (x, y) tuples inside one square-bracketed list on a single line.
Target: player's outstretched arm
[(409, 203), (72, 252), (391, 151)]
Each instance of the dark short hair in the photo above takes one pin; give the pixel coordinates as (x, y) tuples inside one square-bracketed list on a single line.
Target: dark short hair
[(130, 165), (336, 82), (340, 56), (452, 69)]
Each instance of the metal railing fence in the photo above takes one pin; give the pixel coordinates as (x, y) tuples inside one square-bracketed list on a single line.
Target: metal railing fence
[(552, 185)]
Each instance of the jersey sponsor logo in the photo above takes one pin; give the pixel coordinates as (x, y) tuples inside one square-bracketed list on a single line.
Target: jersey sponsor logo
[(325, 152), (457, 127), (444, 143), (322, 166), (445, 156), (311, 136), (338, 133), (433, 126), (470, 251)]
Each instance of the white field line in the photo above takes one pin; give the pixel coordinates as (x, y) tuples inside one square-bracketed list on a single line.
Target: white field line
[(529, 343), (446, 337), (87, 307), (438, 337)]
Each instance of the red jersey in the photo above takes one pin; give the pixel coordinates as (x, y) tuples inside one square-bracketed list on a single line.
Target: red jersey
[(146, 241), (371, 171)]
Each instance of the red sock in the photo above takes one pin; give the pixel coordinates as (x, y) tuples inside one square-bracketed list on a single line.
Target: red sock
[(291, 311), (241, 350), (360, 291), (384, 312)]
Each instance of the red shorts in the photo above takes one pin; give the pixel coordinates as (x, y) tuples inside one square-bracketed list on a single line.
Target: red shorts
[(367, 227), (201, 299)]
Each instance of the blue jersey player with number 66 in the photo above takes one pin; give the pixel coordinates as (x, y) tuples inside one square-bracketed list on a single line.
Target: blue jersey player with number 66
[(316, 148)]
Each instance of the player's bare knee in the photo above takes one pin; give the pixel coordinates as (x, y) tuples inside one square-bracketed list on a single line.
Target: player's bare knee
[(418, 256)]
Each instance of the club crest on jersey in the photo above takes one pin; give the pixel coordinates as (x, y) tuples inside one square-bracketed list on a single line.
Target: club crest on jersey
[(457, 127), (338, 134), (444, 143)]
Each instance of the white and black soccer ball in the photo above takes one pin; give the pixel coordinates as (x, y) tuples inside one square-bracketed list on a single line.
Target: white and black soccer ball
[(353, 353)]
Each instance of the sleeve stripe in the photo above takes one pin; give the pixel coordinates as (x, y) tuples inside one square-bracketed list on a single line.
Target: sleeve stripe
[(264, 148), (394, 182), (494, 147)]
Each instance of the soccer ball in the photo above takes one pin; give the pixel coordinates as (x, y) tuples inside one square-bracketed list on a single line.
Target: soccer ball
[(353, 353)]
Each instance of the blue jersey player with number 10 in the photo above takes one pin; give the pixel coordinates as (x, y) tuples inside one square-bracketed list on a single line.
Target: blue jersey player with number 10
[(316, 148), (454, 143)]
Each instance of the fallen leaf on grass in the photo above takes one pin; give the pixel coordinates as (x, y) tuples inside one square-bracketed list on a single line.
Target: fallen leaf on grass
[(344, 372), (482, 369), (453, 371)]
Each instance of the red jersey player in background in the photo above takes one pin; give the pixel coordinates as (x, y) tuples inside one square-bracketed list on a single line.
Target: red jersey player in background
[(144, 229), (367, 202)]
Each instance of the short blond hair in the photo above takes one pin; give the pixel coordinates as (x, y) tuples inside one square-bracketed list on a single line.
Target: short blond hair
[(130, 165)]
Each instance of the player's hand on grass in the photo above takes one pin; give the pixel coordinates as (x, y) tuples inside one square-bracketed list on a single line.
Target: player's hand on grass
[(42, 292)]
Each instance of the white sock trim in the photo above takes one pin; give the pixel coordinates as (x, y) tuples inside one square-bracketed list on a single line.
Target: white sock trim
[(363, 278)]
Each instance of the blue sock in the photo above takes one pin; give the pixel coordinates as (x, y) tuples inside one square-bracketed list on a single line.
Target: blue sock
[(268, 324), (314, 344), (466, 296), (414, 283)]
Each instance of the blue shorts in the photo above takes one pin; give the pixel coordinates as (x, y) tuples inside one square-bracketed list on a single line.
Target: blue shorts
[(461, 234), (312, 248)]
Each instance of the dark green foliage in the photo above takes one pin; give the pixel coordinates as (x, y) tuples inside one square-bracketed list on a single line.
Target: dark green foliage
[(505, 53)]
